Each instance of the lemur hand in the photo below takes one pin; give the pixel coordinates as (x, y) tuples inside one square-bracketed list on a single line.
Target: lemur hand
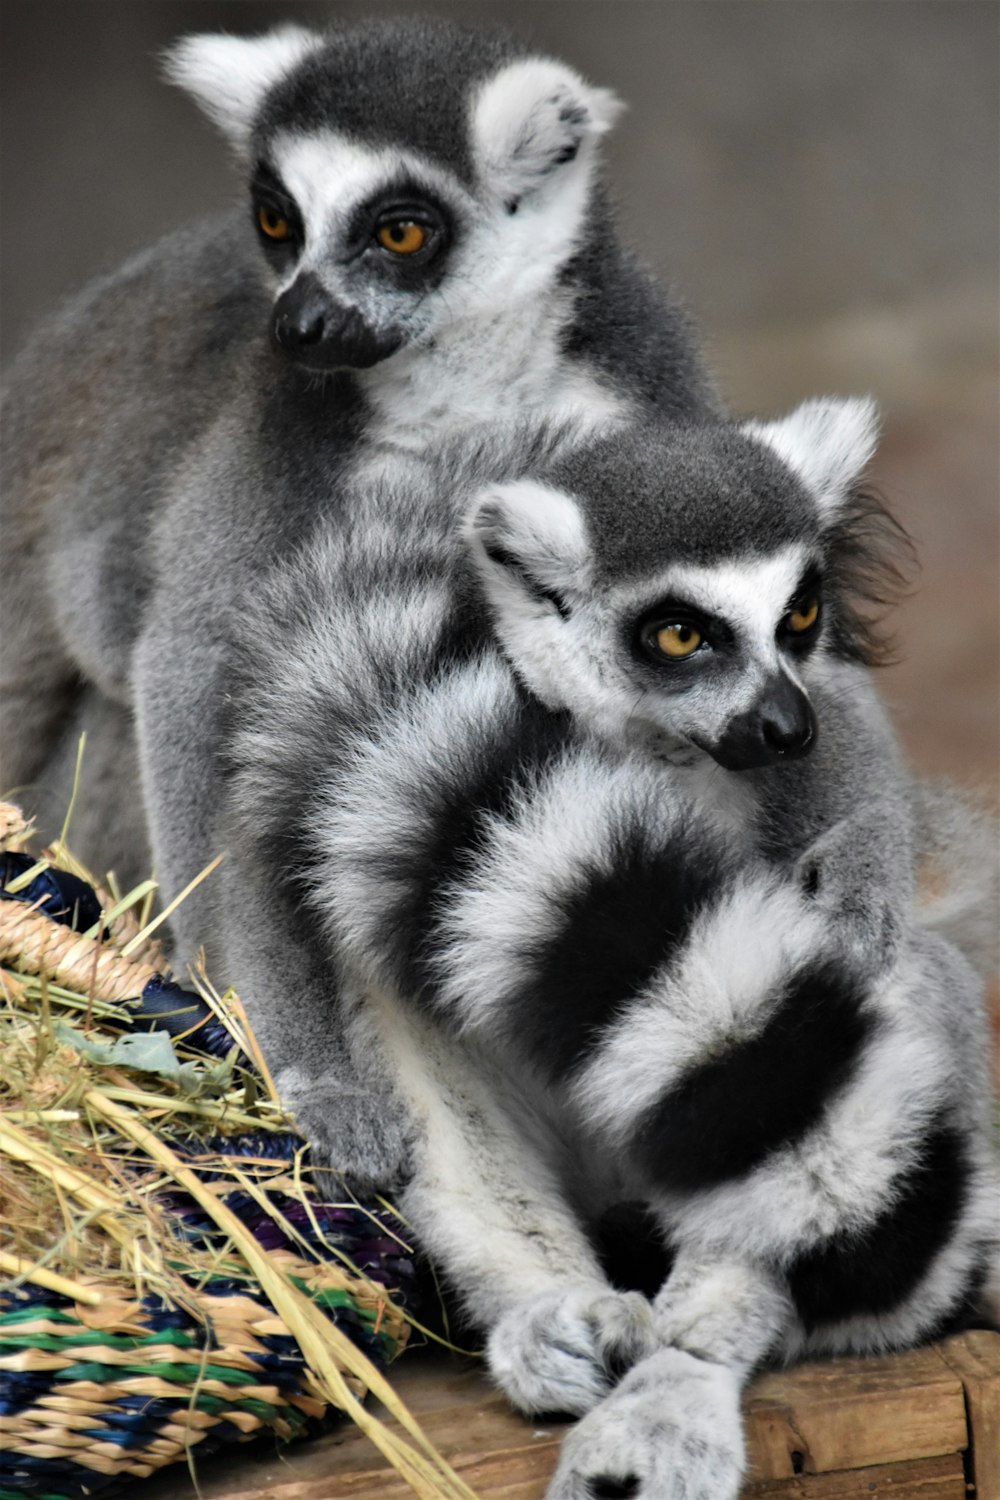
[(670, 1431), (561, 1350)]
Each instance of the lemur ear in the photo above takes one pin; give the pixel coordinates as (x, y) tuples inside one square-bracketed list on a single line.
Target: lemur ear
[(827, 441), (533, 117), (228, 76), (528, 544)]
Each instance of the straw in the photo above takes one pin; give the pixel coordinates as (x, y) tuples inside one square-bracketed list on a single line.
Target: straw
[(122, 1233)]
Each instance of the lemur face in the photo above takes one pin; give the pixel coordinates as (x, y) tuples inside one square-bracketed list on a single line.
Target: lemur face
[(406, 180), (721, 656), (679, 590)]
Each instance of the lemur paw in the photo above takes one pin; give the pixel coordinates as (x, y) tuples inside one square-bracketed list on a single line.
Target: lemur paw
[(856, 873), (560, 1351), (355, 1136), (670, 1431)]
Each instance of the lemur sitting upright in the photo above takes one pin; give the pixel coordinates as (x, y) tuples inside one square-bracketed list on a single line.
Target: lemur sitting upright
[(620, 893), (429, 258), (428, 253)]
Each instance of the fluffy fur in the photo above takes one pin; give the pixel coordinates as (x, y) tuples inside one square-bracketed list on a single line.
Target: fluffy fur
[(471, 901), (160, 447), (595, 976), (189, 420)]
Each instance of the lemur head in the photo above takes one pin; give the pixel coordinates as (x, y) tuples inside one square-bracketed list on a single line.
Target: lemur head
[(680, 588), (404, 176)]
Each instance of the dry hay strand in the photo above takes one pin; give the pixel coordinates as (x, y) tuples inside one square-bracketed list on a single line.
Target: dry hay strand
[(174, 1278)]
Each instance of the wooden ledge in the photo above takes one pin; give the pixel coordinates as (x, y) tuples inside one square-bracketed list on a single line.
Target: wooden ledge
[(924, 1425)]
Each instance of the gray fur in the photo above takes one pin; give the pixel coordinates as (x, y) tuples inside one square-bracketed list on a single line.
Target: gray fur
[(265, 568), (159, 450), (163, 454), (452, 825)]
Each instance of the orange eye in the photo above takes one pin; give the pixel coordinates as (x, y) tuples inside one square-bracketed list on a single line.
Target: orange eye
[(272, 224), (804, 617), (678, 640), (402, 236)]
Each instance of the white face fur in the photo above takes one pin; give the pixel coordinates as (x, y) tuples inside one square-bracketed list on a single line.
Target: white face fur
[(481, 249), (686, 659)]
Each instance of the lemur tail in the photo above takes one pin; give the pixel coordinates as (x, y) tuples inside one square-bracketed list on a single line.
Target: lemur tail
[(959, 884)]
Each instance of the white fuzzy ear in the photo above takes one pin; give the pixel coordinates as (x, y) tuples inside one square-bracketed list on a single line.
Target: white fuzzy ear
[(229, 75), (528, 544), (530, 119), (828, 441)]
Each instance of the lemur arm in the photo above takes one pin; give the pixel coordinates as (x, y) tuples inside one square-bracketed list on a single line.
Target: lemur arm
[(493, 1216), (673, 1424)]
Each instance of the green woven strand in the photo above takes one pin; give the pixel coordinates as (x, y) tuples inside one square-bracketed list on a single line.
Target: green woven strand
[(37, 1310), (178, 1374), (87, 1336), (19, 1495)]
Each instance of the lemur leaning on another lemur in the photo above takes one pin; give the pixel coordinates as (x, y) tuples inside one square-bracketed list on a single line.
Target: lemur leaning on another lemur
[(428, 253), (608, 844), (430, 257)]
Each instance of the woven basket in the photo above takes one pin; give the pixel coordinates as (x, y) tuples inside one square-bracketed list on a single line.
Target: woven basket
[(133, 1326)]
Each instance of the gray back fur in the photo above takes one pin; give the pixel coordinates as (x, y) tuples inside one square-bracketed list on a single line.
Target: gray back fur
[(153, 435), (593, 977)]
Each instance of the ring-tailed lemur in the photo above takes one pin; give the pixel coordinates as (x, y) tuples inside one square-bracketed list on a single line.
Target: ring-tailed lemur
[(425, 197), (428, 255), (621, 892), (428, 252)]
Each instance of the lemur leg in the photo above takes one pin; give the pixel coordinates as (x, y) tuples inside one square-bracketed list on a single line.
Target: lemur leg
[(672, 1429), (38, 678), (107, 829), (179, 693), (491, 1213), (334, 1083)]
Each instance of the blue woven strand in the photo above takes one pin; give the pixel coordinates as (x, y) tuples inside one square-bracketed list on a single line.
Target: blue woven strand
[(364, 1236)]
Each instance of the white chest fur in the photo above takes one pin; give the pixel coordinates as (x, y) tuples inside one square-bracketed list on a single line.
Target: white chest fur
[(481, 373)]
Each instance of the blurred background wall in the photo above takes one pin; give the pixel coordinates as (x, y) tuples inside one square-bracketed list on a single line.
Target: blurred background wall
[(818, 177)]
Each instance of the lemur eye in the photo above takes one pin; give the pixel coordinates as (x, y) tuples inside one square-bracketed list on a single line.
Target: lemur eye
[(677, 640), (272, 224), (804, 616), (402, 236)]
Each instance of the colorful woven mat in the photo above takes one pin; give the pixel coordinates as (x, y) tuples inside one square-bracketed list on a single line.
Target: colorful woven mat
[(132, 1328)]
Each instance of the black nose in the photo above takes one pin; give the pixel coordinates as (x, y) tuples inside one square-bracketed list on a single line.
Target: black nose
[(780, 725), (302, 314), (321, 333), (788, 725)]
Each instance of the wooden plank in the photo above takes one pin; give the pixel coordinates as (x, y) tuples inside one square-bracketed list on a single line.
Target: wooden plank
[(853, 1413), (975, 1358), (927, 1479), (517, 1474), (523, 1474), (471, 1423), (897, 1424), (464, 1434)]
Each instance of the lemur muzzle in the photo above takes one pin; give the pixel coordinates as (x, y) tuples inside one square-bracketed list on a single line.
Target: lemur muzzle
[(323, 334)]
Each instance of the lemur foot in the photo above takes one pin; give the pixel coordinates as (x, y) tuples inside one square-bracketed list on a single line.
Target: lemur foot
[(670, 1431), (560, 1351), (355, 1137)]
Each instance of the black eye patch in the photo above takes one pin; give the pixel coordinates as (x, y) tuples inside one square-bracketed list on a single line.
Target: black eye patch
[(265, 183), (810, 586), (711, 629), (268, 192), (372, 231), (799, 627)]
